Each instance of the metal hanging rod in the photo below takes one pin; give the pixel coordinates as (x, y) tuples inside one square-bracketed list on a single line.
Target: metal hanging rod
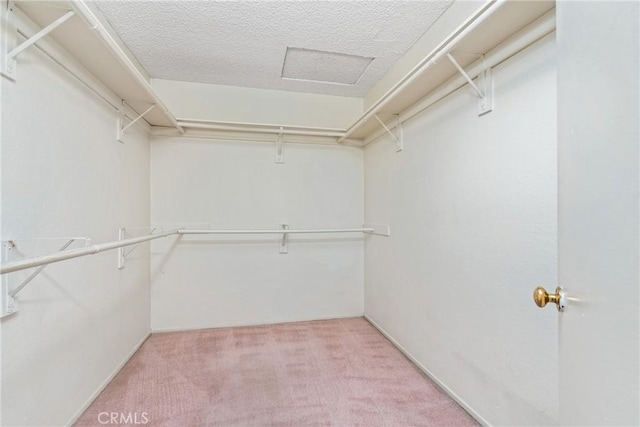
[(8, 305), (446, 46), (261, 128), (281, 231), (75, 253), (85, 10), (527, 36), (284, 231)]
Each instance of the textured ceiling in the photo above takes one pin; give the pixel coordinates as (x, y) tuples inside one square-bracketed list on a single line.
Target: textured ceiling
[(244, 43)]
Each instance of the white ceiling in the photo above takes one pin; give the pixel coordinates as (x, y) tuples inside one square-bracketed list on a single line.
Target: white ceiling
[(244, 43)]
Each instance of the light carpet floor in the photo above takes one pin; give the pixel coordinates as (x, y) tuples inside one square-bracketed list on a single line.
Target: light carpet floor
[(325, 373)]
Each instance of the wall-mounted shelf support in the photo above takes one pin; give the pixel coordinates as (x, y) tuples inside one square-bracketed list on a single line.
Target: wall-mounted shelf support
[(8, 37), (398, 136), (284, 243), (40, 34), (9, 305), (377, 229), (121, 117), (485, 79), (122, 232), (9, 56), (122, 254), (280, 148), (38, 271)]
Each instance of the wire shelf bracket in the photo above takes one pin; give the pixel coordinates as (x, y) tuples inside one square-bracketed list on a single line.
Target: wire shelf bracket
[(121, 127), (9, 305), (9, 47), (122, 253), (485, 80), (377, 229), (398, 137), (284, 243), (280, 148)]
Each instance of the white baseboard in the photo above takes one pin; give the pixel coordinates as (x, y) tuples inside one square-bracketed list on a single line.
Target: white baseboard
[(109, 379), (428, 373), (257, 323)]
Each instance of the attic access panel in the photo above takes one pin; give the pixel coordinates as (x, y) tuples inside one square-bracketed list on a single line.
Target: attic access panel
[(322, 66)]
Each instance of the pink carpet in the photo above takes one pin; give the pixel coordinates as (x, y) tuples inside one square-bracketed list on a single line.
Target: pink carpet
[(325, 373)]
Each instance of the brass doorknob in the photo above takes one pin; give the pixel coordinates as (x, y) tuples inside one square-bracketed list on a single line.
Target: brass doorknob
[(542, 297)]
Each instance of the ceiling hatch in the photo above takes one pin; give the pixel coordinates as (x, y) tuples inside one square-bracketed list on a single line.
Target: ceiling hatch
[(322, 66)]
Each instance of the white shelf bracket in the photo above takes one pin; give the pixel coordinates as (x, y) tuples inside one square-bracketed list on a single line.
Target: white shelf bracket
[(121, 118), (33, 275), (485, 80), (122, 232), (398, 137), (8, 39), (10, 53), (284, 243), (280, 148), (378, 229), (8, 305), (122, 253)]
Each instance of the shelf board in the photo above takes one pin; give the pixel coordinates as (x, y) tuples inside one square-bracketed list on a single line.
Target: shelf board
[(81, 42), (100, 59), (511, 18)]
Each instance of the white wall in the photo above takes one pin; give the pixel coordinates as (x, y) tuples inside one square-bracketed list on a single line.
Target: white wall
[(64, 174), (204, 281), (200, 101), (471, 202)]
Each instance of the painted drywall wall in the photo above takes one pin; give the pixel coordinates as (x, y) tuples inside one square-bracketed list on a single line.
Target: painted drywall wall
[(471, 202), (209, 281), (199, 101), (64, 174)]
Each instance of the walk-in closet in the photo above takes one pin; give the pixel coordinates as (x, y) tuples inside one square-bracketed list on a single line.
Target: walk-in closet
[(320, 213)]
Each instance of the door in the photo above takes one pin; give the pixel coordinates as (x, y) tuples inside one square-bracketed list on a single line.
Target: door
[(598, 211)]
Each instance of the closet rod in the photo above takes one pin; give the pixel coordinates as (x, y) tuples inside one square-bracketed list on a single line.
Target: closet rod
[(282, 231), (446, 46), (82, 8), (260, 128), (75, 253), (81, 80)]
